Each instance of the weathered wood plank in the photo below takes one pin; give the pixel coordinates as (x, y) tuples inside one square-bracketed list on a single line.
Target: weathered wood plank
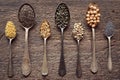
[(46, 9)]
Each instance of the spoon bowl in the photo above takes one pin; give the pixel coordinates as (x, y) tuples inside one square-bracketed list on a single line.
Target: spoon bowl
[(26, 15), (109, 31), (62, 16)]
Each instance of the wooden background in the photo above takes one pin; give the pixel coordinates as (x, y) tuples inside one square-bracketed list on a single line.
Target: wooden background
[(110, 11)]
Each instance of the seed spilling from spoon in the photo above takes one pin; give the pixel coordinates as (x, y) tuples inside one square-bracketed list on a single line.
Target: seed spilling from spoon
[(45, 33), (10, 33), (77, 33), (93, 18)]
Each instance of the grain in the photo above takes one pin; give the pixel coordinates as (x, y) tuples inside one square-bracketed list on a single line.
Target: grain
[(78, 31), (45, 29), (10, 30)]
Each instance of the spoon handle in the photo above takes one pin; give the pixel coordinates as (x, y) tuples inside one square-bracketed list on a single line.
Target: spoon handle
[(26, 58), (109, 55), (94, 66), (62, 67), (44, 66), (78, 69), (10, 65)]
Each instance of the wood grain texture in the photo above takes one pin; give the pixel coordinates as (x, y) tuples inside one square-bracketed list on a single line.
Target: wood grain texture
[(46, 9)]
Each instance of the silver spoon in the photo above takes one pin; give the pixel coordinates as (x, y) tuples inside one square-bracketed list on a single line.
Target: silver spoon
[(93, 18), (78, 35), (109, 33), (62, 19), (10, 33), (45, 34), (26, 16)]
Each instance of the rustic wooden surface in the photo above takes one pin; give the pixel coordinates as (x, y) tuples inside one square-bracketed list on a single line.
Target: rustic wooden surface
[(110, 10)]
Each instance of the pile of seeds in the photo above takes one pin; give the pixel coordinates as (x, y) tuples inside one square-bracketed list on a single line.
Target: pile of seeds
[(26, 15), (78, 31), (10, 30), (93, 15), (45, 29), (62, 16)]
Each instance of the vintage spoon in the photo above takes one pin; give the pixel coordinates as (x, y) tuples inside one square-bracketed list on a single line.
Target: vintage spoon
[(78, 35), (45, 34), (93, 18), (62, 19), (10, 33), (26, 16), (109, 33)]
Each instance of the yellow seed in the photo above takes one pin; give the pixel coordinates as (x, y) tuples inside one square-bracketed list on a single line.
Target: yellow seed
[(91, 11), (95, 12), (10, 30), (97, 9), (93, 25), (95, 21), (87, 19), (94, 7), (87, 15), (91, 6), (98, 14), (91, 17), (88, 12), (88, 22), (98, 20)]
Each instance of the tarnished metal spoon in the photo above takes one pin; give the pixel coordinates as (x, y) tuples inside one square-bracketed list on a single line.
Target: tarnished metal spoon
[(62, 19), (77, 33), (26, 16), (10, 33), (109, 33), (45, 34), (93, 18)]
